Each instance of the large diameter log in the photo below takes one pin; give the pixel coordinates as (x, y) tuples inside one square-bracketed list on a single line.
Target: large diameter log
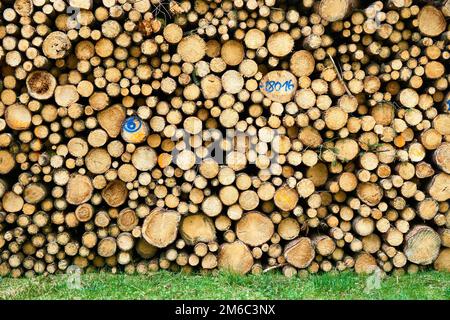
[(235, 257), (442, 262), (197, 228), (431, 21), (299, 252), (422, 245), (160, 228), (254, 228), (439, 187)]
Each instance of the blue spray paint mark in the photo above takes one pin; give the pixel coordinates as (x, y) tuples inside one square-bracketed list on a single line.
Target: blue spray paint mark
[(132, 124)]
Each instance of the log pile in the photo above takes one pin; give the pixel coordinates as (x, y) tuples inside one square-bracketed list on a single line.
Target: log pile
[(307, 136)]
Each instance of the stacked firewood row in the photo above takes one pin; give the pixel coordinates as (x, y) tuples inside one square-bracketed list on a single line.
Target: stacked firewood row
[(245, 135)]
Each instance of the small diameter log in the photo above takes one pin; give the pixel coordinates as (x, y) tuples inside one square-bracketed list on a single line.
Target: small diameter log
[(232, 52), (288, 229), (84, 212), (299, 253), (127, 220), (427, 209), (254, 228), (235, 257), (18, 117), (7, 162), (134, 130), (160, 227), (422, 245)]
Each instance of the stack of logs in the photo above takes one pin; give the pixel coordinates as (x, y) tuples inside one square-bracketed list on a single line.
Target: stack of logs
[(343, 107)]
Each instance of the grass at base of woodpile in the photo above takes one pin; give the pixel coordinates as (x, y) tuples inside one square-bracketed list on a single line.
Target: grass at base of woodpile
[(164, 285)]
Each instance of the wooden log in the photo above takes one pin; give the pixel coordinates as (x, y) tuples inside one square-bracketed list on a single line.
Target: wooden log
[(41, 85), (115, 193), (334, 10), (442, 262), (235, 257), (145, 249), (160, 228), (197, 228), (439, 187), (254, 228), (79, 189), (286, 198), (431, 21), (111, 119), (365, 263), (422, 245), (300, 252)]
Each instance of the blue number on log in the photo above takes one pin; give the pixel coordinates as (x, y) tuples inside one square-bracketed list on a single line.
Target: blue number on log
[(271, 86)]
